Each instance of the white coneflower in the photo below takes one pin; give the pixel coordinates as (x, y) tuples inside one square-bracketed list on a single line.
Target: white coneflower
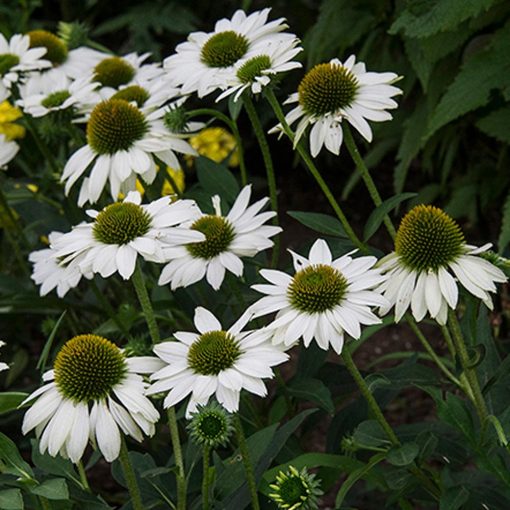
[(3, 366), (334, 91), (75, 63), (54, 91), (93, 392), (122, 140), (124, 230), (324, 299), (50, 273), (215, 361), (16, 57), (206, 61), (256, 72), (241, 233), (8, 150), (429, 247)]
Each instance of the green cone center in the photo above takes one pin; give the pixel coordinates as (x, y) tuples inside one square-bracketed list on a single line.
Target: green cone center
[(115, 125), (176, 119), (114, 72), (121, 223), (253, 68), (224, 49), (218, 232), (327, 88), (7, 62), (88, 367), (56, 99), (428, 239), (213, 352), (293, 491), (132, 93), (56, 49), (317, 288)]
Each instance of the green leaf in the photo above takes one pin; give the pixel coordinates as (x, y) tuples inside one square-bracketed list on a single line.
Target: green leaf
[(371, 435), (11, 457), (344, 17), (312, 390), (453, 498), (319, 222), (57, 466), (454, 412), (487, 70), (10, 400), (496, 124), (11, 499), (504, 235), (234, 107), (41, 364), (403, 455), (217, 179), (355, 476), (55, 488), (410, 145), (340, 463), (422, 19), (377, 217)]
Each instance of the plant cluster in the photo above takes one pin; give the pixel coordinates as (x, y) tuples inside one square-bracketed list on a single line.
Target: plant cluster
[(178, 344)]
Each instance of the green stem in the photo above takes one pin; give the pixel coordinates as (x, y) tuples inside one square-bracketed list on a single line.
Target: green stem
[(248, 467), (12, 221), (45, 504), (179, 462), (83, 476), (130, 477), (205, 479), (143, 297), (365, 174), (268, 163), (43, 149), (314, 171), (471, 376), (372, 404), (376, 411), (109, 309), (145, 303), (235, 131), (431, 352), (449, 342)]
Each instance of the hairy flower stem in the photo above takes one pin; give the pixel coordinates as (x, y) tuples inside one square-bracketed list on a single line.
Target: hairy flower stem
[(130, 477), (471, 376), (109, 309), (235, 131), (43, 149), (372, 403), (83, 476), (145, 303), (14, 223), (176, 445), (365, 174), (377, 413), (248, 467), (315, 172), (268, 163), (205, 478), (431, 352)]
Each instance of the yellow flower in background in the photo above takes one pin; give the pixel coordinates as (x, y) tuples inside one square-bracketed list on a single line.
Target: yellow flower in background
[(217, 144), (178, 178), (9, 114)]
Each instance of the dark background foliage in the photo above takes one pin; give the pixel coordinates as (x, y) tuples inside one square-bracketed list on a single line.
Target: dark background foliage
[(448, 143)]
